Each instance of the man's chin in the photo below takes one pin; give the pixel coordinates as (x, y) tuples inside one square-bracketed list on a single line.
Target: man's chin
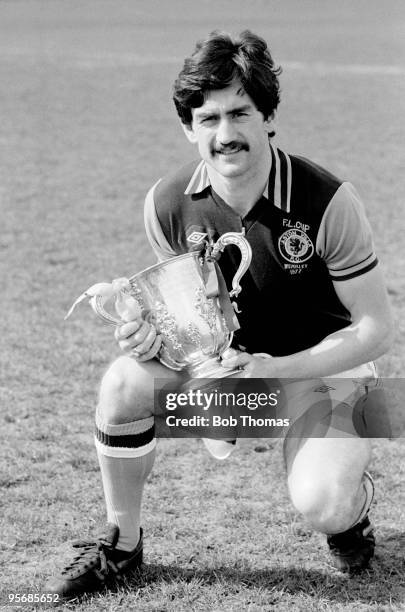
[(229, 165)]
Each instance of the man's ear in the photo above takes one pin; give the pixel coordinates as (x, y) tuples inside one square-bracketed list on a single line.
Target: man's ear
[(189, 132)]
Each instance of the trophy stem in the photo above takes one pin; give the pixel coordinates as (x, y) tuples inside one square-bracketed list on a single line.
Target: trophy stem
[(211, 368)]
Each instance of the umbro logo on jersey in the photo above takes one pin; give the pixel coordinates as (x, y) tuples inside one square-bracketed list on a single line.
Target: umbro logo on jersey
[(196, 237)]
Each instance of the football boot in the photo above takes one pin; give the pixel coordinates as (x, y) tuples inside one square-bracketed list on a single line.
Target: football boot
[(97, 565), (352, 550)]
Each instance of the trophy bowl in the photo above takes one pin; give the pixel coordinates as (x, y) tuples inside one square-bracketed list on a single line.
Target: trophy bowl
[(186, 298)]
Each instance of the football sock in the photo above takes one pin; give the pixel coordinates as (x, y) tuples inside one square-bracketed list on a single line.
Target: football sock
[(220, 449), (368, 488), (126, 455)]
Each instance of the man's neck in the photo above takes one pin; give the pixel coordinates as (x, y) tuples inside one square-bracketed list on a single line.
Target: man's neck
[(241, 192)]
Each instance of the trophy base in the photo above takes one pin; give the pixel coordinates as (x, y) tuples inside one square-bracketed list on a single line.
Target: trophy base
[(211, 368)]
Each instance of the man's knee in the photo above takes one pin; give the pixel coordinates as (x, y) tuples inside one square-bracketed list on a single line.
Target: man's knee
[(325, 478), (328, 507), (126, 392)]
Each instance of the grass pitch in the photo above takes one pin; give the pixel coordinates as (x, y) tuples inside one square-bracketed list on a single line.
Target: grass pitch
[(87, 126)]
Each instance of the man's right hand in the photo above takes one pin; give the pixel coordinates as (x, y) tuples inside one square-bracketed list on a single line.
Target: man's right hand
[(138, 339)]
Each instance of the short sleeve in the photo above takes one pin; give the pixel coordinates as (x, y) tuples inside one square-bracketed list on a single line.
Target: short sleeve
[(154, 230), (344, 239)]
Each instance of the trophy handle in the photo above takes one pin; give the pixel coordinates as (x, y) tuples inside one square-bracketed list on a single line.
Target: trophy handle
[(97, 304), (240, 241)]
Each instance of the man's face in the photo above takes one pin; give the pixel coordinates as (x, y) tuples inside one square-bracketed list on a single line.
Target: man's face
[(231, 134)]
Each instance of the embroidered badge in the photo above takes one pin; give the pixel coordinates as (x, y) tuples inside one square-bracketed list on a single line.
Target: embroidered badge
[(295, 246)]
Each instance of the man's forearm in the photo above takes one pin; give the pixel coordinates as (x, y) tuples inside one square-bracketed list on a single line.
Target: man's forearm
[(340, 351)]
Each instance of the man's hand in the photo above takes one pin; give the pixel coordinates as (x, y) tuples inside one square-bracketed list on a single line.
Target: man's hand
[(258, 365), (138, 339)]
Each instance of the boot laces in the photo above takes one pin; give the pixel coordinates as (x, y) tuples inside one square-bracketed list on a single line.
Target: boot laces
[(93, 553)]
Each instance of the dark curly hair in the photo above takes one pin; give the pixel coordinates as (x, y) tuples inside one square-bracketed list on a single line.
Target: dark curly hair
[(220, 59)]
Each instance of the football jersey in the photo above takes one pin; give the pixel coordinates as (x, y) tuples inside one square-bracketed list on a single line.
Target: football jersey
[(307, 231)]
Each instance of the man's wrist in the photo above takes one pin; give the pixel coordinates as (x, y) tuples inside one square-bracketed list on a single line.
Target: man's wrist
[(273, 365), (276, 368)]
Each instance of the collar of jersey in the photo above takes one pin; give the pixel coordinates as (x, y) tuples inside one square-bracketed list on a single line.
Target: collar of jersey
[(200, 181), (277, 189)]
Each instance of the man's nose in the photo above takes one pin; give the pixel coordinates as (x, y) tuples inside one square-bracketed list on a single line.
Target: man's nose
[(225, 132)]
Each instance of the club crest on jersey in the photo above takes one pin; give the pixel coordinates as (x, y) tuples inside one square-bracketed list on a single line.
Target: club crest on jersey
[(295, 246), (196, 237)]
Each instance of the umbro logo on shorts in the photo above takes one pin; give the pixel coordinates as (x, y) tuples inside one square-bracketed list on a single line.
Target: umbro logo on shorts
[(324, 389)]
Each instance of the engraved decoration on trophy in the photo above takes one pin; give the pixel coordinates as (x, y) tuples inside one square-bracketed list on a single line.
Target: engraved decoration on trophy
[(185, 297)]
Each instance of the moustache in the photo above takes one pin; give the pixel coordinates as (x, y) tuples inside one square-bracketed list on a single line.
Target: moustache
[(231, 147)]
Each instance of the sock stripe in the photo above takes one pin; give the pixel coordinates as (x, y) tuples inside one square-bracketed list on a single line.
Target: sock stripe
[(120, 452), (126, 441), (133, 427)]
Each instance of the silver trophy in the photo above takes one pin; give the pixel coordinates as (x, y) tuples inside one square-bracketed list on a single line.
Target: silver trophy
[(186, 299)]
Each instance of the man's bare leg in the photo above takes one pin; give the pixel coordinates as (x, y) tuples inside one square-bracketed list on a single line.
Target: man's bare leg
[(329, 486), (125, 445)]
